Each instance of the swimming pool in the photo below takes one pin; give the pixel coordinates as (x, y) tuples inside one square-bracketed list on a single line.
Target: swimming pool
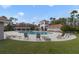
[(35, 32)]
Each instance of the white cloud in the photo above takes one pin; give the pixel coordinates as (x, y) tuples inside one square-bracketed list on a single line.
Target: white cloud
[(6, 6), (69, 11), (35, 17), (77, 10), (51, 5), (20, 14)]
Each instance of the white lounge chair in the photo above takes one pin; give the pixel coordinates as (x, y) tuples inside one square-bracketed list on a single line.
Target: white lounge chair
[(46, 38)]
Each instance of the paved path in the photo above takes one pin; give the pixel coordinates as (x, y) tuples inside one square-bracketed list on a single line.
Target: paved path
[(20, 36)]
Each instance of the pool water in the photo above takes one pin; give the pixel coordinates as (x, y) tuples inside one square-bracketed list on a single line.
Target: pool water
[(35, 32)]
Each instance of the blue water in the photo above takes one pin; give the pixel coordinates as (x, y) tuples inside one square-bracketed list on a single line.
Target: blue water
[(35, 32)]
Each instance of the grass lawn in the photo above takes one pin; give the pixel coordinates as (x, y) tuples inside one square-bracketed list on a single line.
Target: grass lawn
[(12, 46)]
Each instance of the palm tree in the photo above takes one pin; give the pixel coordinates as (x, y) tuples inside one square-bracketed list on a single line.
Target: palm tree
[(11, 19), (73, 15), (77, 16), (78, 19), (52, 19), (62, 20)]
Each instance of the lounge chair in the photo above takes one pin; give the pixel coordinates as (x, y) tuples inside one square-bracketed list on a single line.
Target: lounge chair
[(46, 38), (8, 37), (25, 35), (38, 36), (59, 36)]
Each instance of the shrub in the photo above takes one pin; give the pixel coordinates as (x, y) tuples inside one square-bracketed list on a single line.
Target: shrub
[(67, 28), (8, 28)]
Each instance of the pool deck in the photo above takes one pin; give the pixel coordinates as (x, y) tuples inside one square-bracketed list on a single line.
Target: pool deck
[(14, 35)]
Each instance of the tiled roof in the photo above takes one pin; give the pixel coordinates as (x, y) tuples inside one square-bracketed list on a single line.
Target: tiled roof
[(55, 25), (3, 19)]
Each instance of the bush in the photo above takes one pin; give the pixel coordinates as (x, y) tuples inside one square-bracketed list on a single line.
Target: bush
[(8, 28), (77, 29), (67, 28)]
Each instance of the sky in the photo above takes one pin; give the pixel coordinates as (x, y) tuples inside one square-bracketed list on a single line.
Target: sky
[(36, 13)]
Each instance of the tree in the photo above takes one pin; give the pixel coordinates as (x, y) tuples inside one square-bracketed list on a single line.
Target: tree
[(10, 26), (12, 19), (67, 28), (59, 21), (73, 15), (77, 19), (52, 19), (77, 16), (62, 21)]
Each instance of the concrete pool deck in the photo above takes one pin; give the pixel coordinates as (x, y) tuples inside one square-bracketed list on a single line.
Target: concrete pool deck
[(14, 35)]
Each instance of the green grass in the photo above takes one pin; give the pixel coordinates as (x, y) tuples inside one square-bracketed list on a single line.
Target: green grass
[(64, 47)]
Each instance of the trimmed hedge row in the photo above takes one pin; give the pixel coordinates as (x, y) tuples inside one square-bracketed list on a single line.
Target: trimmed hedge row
[(67, 28)]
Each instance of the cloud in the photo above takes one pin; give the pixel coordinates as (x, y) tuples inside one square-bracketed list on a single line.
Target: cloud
[(20, 14), (51, 5), (6, 6), (41, 5), (35, 17), (69, 11), (77, 10)]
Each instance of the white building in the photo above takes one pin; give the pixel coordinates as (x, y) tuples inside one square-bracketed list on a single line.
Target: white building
[(2, 21), (43, 25)]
